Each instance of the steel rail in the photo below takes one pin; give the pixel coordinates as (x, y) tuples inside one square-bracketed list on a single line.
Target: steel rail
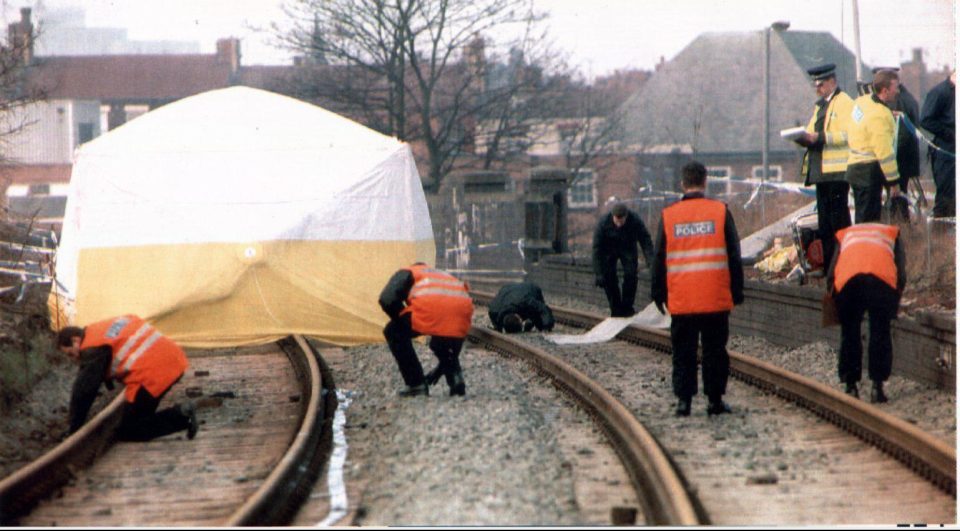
[(657, 483), (273, 503), (925, 454)]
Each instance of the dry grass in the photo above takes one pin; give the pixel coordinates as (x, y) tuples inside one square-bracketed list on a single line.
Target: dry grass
[(931, 266)]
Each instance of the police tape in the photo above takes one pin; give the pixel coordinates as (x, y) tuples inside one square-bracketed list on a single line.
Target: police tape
[(916, 132)]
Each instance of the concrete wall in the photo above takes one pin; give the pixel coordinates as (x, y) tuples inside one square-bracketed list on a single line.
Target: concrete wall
[(924, 346)]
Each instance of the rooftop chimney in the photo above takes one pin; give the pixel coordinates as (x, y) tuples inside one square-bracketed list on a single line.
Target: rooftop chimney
[(20, 36), (228, 53)]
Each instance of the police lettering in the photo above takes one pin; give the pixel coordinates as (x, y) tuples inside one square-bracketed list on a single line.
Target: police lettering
[(116, 327), (699, 228)]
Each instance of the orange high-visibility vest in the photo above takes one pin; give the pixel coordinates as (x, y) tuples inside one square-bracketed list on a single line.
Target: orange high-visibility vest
[(698, 276), (866, 248), (142, 356), (439, 303)]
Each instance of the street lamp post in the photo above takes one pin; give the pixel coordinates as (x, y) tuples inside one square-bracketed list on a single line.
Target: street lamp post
[(780, 25)]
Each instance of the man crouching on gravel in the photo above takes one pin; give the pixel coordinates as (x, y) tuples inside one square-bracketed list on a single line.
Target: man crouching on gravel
[(129, 350)]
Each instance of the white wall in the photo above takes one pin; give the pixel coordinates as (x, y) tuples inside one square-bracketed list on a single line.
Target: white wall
[(47, 132)]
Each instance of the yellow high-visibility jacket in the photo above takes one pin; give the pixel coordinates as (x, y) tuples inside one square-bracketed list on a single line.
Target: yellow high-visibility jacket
[(873, 136), (835, 124)]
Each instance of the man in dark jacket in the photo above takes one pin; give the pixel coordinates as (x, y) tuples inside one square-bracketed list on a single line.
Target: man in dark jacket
[(698, 275), (520, 306), (937, 117), (421, 300), (615, 239), (128, 350)]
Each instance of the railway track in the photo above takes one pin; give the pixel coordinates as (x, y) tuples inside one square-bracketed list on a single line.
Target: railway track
[(928, 457), (258, 450), (258, 434)]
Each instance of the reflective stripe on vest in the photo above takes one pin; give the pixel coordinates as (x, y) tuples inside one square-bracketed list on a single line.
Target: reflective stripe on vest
[(439, 303), (866, 248), (142, 356), (835, 149), (698, 275), (123, 356)]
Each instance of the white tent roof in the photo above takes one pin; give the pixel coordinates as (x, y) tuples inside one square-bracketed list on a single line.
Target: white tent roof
[(235, 166)]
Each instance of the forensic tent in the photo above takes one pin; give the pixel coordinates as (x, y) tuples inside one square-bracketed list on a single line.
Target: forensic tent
[(239, 216)]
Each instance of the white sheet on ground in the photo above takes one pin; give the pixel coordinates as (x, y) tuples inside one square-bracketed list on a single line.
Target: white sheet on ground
[(611, 326)]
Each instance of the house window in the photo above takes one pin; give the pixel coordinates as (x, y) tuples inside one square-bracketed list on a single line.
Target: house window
[(85, 134), (719, 172), (773, 173), (583, 192), (39, 189)]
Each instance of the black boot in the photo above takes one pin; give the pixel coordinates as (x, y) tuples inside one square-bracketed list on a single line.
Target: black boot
[(852, 390), (877, 396), (683, 408), (717, 406), (455, 381), (433, 376), (189, 410), (415, 390)]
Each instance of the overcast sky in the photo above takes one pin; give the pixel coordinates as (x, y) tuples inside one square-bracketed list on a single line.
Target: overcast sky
[(599, 35)]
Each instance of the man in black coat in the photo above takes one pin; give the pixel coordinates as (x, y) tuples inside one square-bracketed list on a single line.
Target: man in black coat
[(937, 117), (615, 239), (520, 306)]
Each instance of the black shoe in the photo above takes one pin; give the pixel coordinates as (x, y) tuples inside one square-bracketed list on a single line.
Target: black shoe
[(457, 387), (717, 407), (852, 390), (415, 390), (433, 376), (877, 396), (683, 408), (189, 410)]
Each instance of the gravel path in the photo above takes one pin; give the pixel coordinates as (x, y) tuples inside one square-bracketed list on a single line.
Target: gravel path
[(513, 451), (931, 409)]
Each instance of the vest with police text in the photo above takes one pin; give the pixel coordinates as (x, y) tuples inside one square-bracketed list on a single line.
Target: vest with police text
[(142, 356), (698, 274)]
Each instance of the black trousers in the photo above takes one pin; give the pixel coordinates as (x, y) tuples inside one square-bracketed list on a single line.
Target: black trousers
[(945, 178), (142, 422), (868, 202), (713, 329), (833, 214), (399, 335), (620, 298), (866, 294)]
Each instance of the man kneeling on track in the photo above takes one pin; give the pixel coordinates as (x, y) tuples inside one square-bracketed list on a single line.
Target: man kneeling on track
[(421, 300), (520, 306), (132, 351), (867, 275)]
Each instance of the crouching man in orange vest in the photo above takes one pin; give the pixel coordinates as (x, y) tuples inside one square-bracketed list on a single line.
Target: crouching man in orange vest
[(129, 350), (421, 300), (867, 275), (698, 274)]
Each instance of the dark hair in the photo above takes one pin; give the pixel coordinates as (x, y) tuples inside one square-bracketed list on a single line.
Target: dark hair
[(66, 334), (883, 79), (619, 210), (693, 175), (512, 323)]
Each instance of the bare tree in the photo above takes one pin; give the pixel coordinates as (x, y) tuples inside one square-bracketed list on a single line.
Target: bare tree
[(16, 55), (410, 68)]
